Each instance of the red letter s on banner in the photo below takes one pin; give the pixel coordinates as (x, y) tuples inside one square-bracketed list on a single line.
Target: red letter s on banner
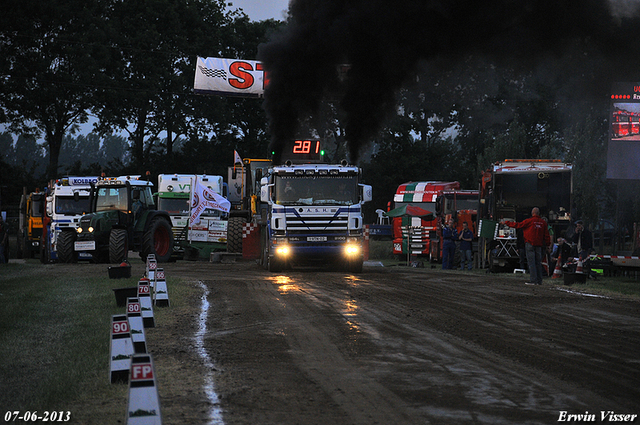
[(244, 79)]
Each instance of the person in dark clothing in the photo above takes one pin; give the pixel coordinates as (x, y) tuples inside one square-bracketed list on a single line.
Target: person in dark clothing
[(536, 238), (466, 246), (522, 253), (583, 240), (449, 236)]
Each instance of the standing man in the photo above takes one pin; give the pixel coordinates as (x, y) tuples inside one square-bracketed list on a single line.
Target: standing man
[(536, 238), (466, 246), (583, 240), (449, 236)]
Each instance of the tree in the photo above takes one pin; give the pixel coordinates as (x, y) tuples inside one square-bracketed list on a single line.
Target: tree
[(147, 84), (586, 148), (6, 147), (510, 144), (114, 148), (48, 55), (82, 149)]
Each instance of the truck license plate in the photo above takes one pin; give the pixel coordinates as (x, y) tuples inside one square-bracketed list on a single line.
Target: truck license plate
[(317, 239), (85, 245)]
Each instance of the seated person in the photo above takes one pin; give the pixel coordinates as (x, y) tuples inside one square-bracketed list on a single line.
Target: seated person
[(561, 250)]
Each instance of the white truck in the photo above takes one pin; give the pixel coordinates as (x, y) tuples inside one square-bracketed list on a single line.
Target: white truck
[(209, 233), (67, 200), (314, 211)]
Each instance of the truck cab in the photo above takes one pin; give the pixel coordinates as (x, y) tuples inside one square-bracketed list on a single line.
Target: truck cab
[(209, 233), (315, 215), (413, 235), (509, 190), (67, 201)]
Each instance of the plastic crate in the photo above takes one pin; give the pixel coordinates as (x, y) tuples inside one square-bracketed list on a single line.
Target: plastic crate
[(123, 293), (571, 278)]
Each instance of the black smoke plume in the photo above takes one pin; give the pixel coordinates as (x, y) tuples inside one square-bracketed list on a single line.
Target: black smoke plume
[(384, 42)]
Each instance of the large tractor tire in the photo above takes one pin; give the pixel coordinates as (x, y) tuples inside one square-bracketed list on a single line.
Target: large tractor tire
[(235, 227), (66, 251), (158, 240), (118, 245)]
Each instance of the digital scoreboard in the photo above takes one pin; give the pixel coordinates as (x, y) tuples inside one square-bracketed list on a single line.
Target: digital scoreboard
[(303, 151), (623, 154)]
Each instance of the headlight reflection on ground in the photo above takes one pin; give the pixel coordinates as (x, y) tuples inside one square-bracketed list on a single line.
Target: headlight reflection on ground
[(285, 284)]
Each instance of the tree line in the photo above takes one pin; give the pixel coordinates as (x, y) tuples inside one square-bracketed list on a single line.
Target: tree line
[(130, 64)]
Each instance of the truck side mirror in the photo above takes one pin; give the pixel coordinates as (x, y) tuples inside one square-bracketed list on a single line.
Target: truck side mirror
[(366, 193), (264, 193)]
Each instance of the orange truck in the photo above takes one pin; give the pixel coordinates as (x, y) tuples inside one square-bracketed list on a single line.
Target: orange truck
[(32, 207)]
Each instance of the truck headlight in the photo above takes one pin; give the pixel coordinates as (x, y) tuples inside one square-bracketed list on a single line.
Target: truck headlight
[(351, 250), (283, 251), (79, 229), (90, 229)]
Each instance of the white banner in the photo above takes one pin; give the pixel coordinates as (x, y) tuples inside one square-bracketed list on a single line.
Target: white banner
[(229, 77), (202, 198), (236, 159)]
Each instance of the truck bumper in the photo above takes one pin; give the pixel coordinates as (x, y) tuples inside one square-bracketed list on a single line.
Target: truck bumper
[(311, 253)]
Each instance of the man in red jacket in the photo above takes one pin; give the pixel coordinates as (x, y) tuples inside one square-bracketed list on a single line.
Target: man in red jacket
[(536, 238)]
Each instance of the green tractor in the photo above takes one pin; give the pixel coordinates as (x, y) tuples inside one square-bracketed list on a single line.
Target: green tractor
[(123, 217)]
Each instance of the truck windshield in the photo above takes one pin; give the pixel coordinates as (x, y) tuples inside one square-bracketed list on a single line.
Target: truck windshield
[(37, 205), (461, 203), (429, 206), (112, 198), (179, 206), (66, 205), (316, 190)]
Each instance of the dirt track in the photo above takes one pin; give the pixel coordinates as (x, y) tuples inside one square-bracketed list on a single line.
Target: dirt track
[(392, 346)]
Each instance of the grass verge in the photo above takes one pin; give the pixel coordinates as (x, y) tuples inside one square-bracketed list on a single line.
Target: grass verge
[(55, 339)]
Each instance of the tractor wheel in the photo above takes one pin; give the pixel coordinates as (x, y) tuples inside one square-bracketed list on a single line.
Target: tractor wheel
[(118, 245), (158, 240), (235, 227), (66, 251)]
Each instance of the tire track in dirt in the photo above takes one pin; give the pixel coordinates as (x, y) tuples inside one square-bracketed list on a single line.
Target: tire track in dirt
[(414, 346), (525, 329)]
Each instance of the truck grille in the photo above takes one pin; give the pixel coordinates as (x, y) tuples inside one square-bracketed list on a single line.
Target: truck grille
[(316, 224)]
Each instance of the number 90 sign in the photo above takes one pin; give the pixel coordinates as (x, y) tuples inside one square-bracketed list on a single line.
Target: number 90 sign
[(120, 327)]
